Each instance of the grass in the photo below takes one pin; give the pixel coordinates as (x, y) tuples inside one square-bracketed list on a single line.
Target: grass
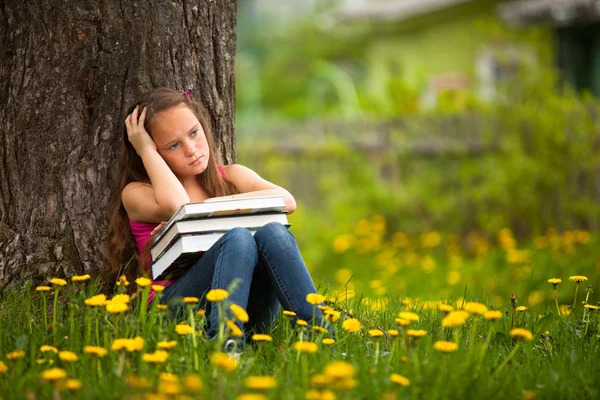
[(559, 362)]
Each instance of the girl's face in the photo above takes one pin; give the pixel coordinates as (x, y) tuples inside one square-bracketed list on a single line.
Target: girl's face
[(180, 140)]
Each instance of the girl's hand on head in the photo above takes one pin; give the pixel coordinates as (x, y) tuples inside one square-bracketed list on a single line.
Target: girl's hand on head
[(136, 133), (158, 228)]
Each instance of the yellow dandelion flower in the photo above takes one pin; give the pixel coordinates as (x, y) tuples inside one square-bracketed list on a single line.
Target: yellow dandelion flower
[(162, 307), (323, 308), (260, 382), (95, 350), (339, 370), (169, 388), (184, 329), (409, 316), (555, 281), (3, 367), (217, 295), (43, 288), (96, 301), (351, 325), (135, 344), (578, 278), (344, 384), (15, 355), (315, 298), (158, 357), (158, 288), (375, 333), (234, 330), (332, 315), (521, 308), (143, 282), (320, 395), (121, 298), (260, 337), (54, 374), (251, 396), (81, 278), (58, 282), (402, 322), (328, 341), (223, 361), (475, 308), (393, 332), (201, 312), (446, 308), (46, 348), (137, 382), (521, 334), (289, 313), (239, 313), (492, 315), (116, 308), (166, 345), (416, 333), (193, 383), (319, 380), (67, 356), (191, 300), (306, 347), (445, 347), (167, 377), (73, 384), (319, 329), (301, 322), (590, 307), (455, 319), (399, 380)]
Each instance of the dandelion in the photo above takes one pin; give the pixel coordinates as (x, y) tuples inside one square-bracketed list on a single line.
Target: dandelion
[(402, 322), (158, 357), (315, 298), (3, 367), (260, 337), (331, 315), (445, 308), (81, 278), (409, 316), (166, 345), (122, 281), (15, 355), (43, 288), (521, 308), (137, 382), (223, 361), (351, 325), (121, 298), (184, 329), (54, 374), (46, 348), (475, 308), (301, 322), (260, 382), (555, 282), (239, 313), (399, 380), (95, 350), (521, 334), (319, 380), (445, 347), (306, 347), (67, 356), (251, 396), (135, 344), (393, 332), (191, 300), (58, 282), (201, 312), (162, 307), (96, 301), (234, 329), (193, 383), (339, 370), (590, 307), (416, 333), (375, 333), (578, 278), (158, 288), (455, 319), (492, 315), (319, 329), (73, 384), (328, 341), (217, 295), (116, 308)]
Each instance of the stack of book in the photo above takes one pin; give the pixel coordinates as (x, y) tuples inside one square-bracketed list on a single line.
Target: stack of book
[(195, 227)]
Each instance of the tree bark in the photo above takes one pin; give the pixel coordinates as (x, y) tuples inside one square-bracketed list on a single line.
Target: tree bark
[(68, 70)]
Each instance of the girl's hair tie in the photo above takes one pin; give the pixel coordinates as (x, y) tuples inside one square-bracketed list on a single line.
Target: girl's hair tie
[(187, 94)]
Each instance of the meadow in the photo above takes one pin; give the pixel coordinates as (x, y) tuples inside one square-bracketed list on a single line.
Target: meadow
[(424, 316)]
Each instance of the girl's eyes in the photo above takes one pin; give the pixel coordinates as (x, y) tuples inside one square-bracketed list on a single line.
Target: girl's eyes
[(174, 145)]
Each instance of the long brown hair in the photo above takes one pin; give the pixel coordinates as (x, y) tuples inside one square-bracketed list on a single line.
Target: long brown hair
[(122, 249)]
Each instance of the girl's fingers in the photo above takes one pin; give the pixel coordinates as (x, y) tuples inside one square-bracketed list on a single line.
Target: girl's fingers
[(134, 116), (128, 124), (143, 116)]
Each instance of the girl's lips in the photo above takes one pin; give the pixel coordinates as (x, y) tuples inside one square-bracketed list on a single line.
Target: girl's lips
[(196, 161)]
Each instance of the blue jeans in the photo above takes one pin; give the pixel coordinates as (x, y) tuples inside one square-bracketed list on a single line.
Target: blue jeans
[(270, 271)]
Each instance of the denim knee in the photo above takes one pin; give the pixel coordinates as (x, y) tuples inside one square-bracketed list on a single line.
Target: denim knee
[(242, 238), (271, 231)]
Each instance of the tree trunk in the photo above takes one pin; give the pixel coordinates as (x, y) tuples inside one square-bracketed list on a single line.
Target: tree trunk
[(68, 70)]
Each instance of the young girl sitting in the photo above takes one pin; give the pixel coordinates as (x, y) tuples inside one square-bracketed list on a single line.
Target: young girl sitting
[(167, 159)]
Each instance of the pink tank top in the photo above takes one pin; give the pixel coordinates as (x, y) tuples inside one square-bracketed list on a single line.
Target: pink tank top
[(141, 232)]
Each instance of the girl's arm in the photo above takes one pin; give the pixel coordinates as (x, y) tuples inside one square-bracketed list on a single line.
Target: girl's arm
[(160, 200), (250, 184)]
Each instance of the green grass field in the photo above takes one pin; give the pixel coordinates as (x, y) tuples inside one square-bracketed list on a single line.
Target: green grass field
[(395, 336)]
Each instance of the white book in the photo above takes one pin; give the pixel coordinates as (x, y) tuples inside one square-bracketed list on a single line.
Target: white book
[(222, 207), (220, 224)]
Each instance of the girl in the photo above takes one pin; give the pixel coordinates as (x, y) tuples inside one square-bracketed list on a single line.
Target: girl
[(168, 159)]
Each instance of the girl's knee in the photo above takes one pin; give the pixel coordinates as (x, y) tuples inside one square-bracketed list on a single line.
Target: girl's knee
[(270, 231), (241, 239)]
